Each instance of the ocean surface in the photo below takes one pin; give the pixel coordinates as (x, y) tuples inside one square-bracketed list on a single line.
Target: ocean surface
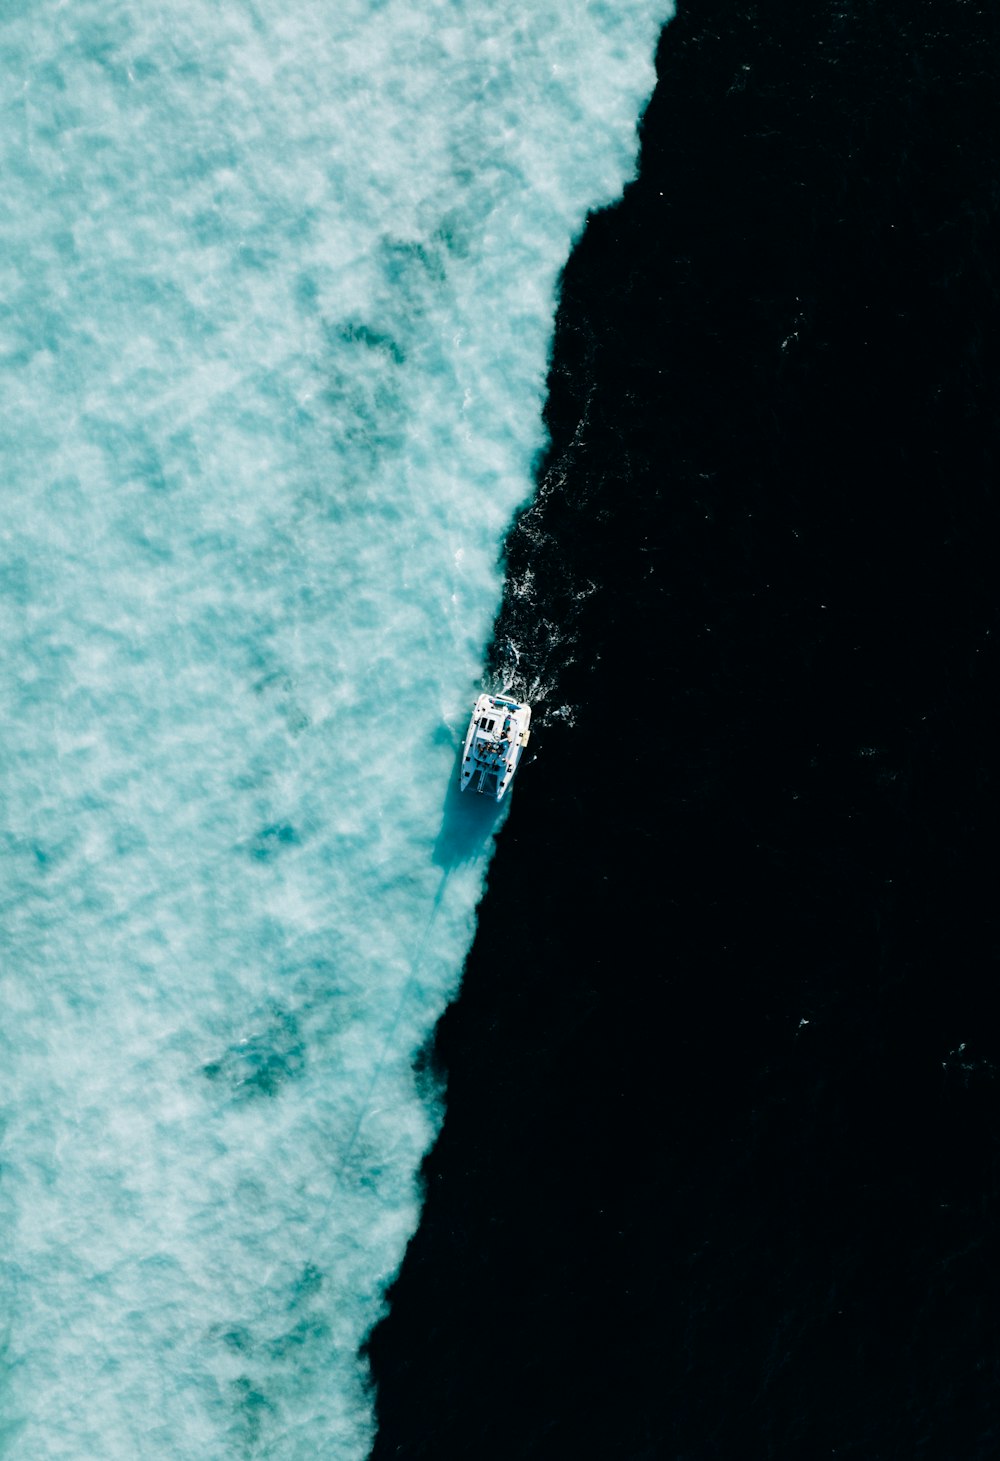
[(277, 294), (719, 1175)]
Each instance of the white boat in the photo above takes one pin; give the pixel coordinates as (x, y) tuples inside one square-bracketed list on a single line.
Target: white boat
[(498, 733)]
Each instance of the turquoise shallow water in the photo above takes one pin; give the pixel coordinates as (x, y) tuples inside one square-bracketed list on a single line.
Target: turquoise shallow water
[(276, 292)]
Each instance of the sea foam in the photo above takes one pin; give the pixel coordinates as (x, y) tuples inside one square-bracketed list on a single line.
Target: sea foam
[(277, 293)]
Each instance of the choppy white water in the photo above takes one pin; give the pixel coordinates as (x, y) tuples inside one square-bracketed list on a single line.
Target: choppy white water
[(276, 292)]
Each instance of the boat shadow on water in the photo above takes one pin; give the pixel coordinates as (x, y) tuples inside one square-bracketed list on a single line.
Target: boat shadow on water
[(468, 821)]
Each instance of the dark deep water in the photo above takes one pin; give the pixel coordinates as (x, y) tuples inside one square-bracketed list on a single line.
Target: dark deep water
[(719, 1175)]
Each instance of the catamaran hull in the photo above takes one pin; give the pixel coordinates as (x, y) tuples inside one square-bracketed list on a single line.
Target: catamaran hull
[(497, 735)]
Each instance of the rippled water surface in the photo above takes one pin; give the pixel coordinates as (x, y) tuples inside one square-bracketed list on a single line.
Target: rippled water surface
[(277, 293)]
